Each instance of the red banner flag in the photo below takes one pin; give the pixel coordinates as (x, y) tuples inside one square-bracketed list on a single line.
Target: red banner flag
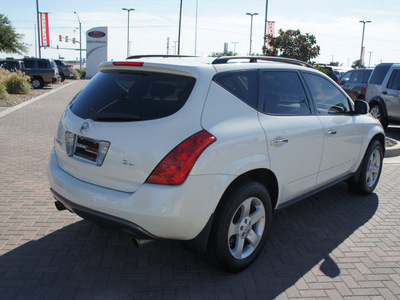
[(44, 25)]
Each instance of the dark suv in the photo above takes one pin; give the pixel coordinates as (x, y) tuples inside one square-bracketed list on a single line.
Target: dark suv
[(354, 82), (383, 93), (66, 71), (41, 71), (12, 64)]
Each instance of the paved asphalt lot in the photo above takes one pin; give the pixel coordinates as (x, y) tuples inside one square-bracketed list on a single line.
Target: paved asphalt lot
[(332, 245)]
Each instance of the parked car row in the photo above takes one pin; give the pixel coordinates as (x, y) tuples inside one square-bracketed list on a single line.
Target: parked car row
[(383, 93), (354, 82), (41, 71), (379, 86)]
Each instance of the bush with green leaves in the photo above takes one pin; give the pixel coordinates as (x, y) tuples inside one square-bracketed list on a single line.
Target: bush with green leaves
[(18, 83), (77, 75), (15, 82), (81, 73), (3, 92)]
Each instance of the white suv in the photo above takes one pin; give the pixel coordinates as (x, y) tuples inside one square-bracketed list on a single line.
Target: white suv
[(204, 151)]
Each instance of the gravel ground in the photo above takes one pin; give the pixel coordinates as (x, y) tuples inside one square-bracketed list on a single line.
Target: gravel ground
[(15, 99)]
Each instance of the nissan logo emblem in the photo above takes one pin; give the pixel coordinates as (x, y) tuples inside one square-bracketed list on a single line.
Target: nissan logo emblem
[(96, 34), (84, 127)]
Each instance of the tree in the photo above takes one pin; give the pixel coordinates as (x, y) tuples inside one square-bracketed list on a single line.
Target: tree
[(334, 64), (219, 54), (10, 40), (293, 44), (357, 64)]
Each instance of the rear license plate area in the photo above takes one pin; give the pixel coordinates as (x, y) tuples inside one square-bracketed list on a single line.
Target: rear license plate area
[(87, 148)]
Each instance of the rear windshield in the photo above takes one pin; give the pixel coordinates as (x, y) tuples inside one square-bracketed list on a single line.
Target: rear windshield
[(379, 73), (132, 96)]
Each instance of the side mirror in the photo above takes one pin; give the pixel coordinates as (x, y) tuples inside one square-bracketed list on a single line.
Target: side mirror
[(361, 107)]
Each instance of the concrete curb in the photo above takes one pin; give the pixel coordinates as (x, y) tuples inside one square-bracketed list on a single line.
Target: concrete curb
[(393, 150), (21, 105)]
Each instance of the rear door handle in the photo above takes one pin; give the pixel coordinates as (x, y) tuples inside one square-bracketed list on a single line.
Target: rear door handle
[(330, 132), (279, 142), (384, 92)]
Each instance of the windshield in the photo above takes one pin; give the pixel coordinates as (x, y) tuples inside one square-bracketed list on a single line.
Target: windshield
[(132, 96)]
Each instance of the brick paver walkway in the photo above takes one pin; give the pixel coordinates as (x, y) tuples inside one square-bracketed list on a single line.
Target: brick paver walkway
[(332, 245)]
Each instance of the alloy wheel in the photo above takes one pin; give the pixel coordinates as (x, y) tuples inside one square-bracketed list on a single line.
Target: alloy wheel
[(246, 228), (373, 169)]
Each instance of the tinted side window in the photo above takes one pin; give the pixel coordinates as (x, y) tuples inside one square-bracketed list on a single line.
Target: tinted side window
[(283, 93), (242, 84), (328, 99), (367, 74), (12, 65), (379, 73), (394, 81), (29, 64), (42, 64), (118, 97), (345, 77), (357, 77)]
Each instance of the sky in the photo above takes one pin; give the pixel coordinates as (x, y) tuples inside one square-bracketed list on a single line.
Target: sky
[(335, 24)]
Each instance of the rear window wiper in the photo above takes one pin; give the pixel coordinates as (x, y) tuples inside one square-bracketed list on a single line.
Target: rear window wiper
[(112, 116)]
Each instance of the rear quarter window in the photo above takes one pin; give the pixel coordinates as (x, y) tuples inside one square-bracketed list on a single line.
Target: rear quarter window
[(132, 96), (242, 84), (379, 73)]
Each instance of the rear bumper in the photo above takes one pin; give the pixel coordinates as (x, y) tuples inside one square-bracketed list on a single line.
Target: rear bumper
[(157, 211), (103, 219)]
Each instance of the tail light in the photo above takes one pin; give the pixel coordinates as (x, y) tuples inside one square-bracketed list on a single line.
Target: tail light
[(176, 166), (70, 68), (365, 94)]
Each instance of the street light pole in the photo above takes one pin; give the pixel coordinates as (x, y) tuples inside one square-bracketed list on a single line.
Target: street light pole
[(38, 26), (362, 41), (80, 41), (234, 47), (251, 28), (370, 52), (127, 47), (266, 22), (195, 34), (179, 32)]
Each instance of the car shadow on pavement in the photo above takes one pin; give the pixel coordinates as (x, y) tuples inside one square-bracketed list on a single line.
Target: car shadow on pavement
[(83, 261)]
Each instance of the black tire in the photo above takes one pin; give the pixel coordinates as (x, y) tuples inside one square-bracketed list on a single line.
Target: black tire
[(62, 77), (370, 170), (37, 83), (376, 111), (237, 249)]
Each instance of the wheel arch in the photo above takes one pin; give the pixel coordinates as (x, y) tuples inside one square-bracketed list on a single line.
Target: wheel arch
[(378, 100), (264, 176), (380, 137)]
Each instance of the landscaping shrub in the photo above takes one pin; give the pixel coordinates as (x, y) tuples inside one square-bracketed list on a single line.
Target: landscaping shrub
[(18, 83), (3, 92), (4, 74), (15, 82), (77, 75), (81, 73)]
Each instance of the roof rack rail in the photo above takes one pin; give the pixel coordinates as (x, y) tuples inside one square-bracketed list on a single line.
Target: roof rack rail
[(157, 55), (254, 59)]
